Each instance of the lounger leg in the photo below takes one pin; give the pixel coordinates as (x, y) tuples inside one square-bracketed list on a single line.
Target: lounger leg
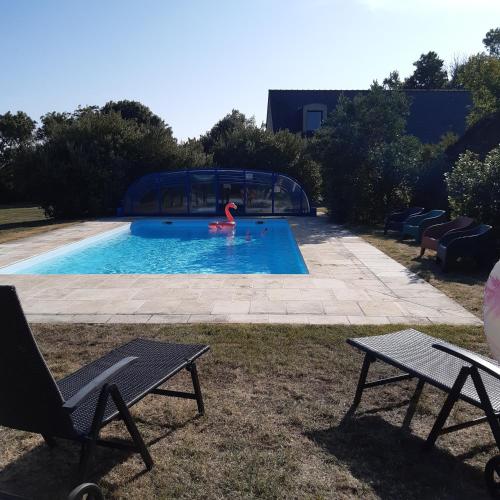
[(131, 427), (49, 441), (88, 446), (486, 404), (447, 406), (86, 454), (422, 251), (413, 404), (191, 368), (361, 382)]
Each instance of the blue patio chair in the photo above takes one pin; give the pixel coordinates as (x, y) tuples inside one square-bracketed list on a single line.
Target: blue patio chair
[(395, 220), (475, 243), (415, 225)]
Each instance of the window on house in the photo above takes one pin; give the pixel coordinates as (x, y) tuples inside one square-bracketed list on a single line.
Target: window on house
[(313, 120)]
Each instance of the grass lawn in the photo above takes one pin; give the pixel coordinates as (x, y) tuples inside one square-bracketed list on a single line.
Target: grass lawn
[(275, 427), (19, 221), (465, 285)]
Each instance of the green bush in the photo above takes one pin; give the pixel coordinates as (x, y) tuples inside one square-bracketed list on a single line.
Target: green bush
[(474, 187), (369, 165), (85, 161)]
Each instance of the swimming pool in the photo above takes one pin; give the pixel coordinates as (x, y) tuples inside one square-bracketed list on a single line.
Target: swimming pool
[(153, 246)]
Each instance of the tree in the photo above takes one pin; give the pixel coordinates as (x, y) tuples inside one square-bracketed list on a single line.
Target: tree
[(481, 75), (84, 161), (492, 42), (237, 142), (429, 73), (15, 130), (368, 163), (474, 186), (393, 81), (224, 127), (16, 133), (134, 110)]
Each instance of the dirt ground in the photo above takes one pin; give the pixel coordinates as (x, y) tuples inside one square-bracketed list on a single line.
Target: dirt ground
[(276, 401)]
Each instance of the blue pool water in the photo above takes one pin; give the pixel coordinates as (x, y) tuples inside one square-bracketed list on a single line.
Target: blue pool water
[(179, 247)]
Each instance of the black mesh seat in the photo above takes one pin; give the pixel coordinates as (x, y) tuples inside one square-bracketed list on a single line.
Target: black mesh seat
[(156, 363), (462, 374), (412, 352), (81, 404)]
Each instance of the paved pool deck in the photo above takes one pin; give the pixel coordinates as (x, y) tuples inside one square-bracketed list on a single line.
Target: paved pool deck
[(349, 282)]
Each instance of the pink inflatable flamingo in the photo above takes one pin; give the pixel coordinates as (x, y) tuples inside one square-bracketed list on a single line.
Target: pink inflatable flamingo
[(492, 311), (230, 223)]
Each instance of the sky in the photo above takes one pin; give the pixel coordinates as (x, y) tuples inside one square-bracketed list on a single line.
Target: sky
[(193, 61)]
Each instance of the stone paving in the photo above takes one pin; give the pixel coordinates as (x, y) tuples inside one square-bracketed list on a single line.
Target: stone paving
[(350, 282)]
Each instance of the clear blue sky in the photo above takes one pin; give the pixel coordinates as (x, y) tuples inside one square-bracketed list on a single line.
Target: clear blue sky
[(192, 61)]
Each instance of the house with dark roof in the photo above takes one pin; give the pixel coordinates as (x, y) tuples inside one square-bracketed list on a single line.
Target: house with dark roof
[(433, 113)]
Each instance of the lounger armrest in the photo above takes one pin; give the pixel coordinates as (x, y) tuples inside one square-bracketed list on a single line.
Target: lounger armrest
[(74, 401), (470, 357)]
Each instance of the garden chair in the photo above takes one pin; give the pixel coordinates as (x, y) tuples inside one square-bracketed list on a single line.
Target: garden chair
[(432, 235), (81, 404), (415, 225), (394, 221), (475, 243), (461, 374)]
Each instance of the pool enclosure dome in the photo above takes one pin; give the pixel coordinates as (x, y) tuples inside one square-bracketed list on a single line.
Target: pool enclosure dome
[(206, 192)]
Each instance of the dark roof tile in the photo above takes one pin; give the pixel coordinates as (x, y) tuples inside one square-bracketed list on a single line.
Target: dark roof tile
[(432, 112)]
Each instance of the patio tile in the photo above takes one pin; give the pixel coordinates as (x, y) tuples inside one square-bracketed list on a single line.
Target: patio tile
[(91, 318), (169, 318), (343, 308), (304, 307), (328, 319), (302, 319), (368, 320), (50, 318), (298, 294), (127, 318), (159, 306), (248, 318), (120, 306), (381, 308), (267, 306), (231, 307), (208, 318)]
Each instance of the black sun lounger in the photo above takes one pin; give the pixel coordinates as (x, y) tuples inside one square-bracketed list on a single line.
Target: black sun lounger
[(462, 374), (81, 404)]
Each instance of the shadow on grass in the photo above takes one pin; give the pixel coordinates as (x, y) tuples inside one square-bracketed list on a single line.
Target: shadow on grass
[(49, 473), (32, 223), (394, 463)]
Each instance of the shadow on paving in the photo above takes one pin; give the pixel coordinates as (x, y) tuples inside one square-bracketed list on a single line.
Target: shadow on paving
[(394, 463)]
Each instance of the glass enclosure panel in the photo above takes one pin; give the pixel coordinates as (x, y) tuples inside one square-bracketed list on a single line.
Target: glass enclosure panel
[(231, 187), (287, 195), (146, 203), (208, 191), (259, 193), (142, 198), (203, 194), (173, 199), (305, 204)]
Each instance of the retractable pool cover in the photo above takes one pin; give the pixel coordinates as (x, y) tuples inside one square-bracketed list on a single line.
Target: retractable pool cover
[(206, 192)]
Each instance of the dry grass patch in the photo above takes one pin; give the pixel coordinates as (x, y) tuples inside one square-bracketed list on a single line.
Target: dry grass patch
[(276, 399), (463, 284), (21, 221)]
